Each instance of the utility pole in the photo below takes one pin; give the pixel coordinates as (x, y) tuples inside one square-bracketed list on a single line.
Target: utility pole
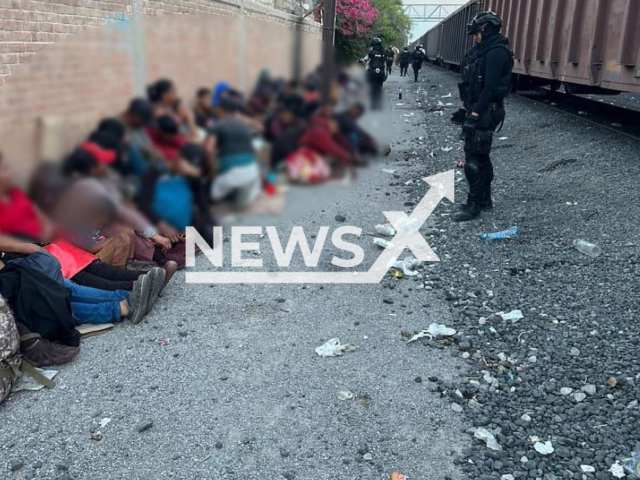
[(328, 37), (139, 55)]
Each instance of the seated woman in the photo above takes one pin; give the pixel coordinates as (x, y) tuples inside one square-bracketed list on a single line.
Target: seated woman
[(237, 173), (164, 97)]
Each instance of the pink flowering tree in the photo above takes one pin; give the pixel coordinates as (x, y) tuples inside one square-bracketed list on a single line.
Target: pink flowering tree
[(354, 18)]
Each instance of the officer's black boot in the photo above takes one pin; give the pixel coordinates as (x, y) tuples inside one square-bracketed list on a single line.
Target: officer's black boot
[(486, 203), (470, 211)]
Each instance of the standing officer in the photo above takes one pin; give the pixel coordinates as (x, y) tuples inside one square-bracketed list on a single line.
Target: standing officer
[(376, 75), (486, 81), (417, 59), (389, 56), (405, 56)]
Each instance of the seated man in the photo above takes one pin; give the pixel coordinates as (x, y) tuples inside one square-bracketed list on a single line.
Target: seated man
[(237, 173), (360, 140)]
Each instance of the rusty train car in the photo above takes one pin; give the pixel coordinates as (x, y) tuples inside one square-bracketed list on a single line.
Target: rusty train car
[(587, 46)]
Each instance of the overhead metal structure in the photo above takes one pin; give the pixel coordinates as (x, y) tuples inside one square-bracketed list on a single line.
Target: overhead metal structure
[(430, 12)]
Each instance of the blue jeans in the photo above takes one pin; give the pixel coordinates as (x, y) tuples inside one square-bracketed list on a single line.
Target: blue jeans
[(90, 305)]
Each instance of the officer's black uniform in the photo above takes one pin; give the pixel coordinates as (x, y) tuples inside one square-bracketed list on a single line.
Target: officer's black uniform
[(405, 56), (389, 55), (417, 59), (376, 75), (486, 81)]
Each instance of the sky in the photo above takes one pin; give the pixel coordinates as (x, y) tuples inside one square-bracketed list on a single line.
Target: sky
[(420, 28)]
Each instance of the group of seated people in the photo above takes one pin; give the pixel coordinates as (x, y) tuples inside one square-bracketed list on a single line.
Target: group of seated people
[(101, 233)]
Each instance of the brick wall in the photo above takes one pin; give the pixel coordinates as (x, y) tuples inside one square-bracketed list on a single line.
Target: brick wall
[(85, 66)]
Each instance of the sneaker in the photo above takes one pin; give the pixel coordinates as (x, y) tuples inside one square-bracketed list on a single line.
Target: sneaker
[(43, 353), (139, 299), (158, 276)]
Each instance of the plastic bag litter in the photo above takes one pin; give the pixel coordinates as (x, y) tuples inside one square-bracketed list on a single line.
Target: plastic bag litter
[(513, 315), (387, 230), (388, 170), (633, 464), (434, 330), (26, 382), (333, 348), (407, 266), (381, 242), (487, 437), (617, 470), (545, 448)]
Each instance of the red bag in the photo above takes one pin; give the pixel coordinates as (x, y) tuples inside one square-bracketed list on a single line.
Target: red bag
[(72, 259), (306, 166)]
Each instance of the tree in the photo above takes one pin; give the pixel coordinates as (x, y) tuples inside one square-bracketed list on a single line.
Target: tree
[(392, 25)]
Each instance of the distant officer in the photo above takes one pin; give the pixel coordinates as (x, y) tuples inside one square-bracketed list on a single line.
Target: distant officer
[(405, 56), (376, 75), (418, 57), (486, 80), (389, 56)]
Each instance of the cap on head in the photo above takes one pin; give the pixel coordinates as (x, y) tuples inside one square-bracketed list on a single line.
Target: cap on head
[(487, 22)]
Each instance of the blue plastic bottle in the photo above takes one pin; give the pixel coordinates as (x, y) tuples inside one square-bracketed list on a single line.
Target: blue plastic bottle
[(513, 232)]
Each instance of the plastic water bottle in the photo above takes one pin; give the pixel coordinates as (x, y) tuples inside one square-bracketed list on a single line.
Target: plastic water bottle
[(400, 94), (513, 232), (587, 248)]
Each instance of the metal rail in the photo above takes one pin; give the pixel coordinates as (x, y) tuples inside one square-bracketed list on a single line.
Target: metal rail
[(430, 12)]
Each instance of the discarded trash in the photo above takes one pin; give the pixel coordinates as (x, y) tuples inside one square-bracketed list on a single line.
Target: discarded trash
[(387, 230), (381, 242), (448, 95), (617, 470), (409, 226), (398, 476), (633, 464), (388, 170), (407, 266), (514, 316), (408, 182), (487, 437), (367, 457), (512, 232), (446, 149), (587, 468), (396, 273), (590, 249), (434, 330), (410, 114), (104, 422), (333, 348), (26, 382), (400, 94), (616, 125), (344, 395), (545, 448), (439, 113), (503, 138), (96, 437), (612, 382)]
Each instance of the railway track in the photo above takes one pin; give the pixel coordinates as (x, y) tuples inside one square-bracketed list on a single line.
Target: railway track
[(615, 118)]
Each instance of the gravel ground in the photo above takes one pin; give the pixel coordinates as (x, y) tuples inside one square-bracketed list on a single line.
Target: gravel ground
[(568, 372), (222, 382), (627, 100)]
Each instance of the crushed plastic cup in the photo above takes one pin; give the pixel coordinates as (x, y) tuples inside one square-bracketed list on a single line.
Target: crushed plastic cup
[(387, 230)]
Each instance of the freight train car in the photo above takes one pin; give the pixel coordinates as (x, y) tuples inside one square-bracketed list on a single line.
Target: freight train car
[(589, 46)]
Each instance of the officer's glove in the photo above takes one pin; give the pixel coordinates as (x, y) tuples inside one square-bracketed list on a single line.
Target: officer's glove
[(458, 117), (470, 124)]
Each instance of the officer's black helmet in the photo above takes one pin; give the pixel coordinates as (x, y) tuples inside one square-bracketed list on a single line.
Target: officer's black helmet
[(375, 41), (488, 22)]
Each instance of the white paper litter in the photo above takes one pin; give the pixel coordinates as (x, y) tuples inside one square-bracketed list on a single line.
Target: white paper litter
[(388, 170), (387, 230), (448, 95), (514, 315), (446, 149), (381, 242), (587, 468), (333, 348), (487, 437), (617, 470), (407, 268), (434, 330), (545, 448), (104, 422), (26, 382), (344, 395)]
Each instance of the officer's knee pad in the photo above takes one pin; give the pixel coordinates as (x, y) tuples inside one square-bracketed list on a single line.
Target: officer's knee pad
[(472, 170)]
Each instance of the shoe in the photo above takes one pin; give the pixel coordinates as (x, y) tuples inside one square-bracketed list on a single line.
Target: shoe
[(158, 276), (139, 299), (486, 203), (468, 212), (43, 353)]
